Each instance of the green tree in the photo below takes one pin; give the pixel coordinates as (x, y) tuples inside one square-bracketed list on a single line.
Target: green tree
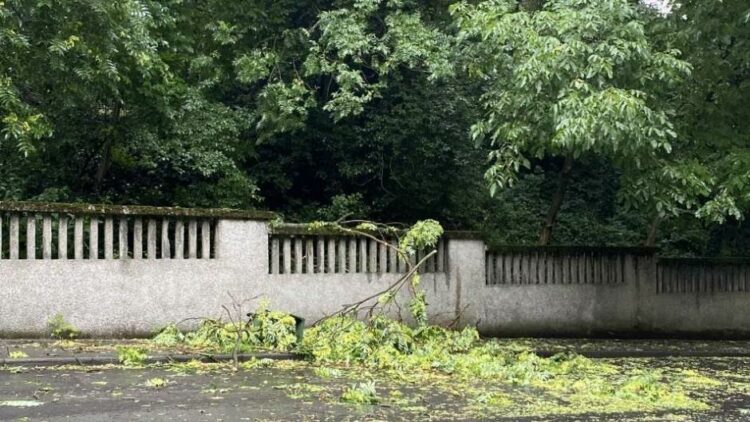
[(575, 78)]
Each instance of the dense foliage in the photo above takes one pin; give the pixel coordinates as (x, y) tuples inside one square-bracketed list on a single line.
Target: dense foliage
[(605, 122)]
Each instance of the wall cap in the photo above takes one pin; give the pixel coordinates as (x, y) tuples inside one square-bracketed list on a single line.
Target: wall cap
[(296, 229), (139, 210), (574, 249), (728, 260)]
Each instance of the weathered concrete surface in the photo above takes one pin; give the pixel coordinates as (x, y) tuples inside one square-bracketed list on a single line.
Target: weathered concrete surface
[(558, 309), (296, 393), (127, 297)]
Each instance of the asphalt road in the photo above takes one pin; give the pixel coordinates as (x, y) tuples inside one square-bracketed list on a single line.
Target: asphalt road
[(263, 394)]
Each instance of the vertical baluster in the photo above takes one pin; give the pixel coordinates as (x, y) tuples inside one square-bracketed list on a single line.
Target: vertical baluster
[(400, 264), (502, 257), (498, 268), (569, 268), (309, 256), (372, 256), (14, 235), (78, 237), (122, 235), (584, 268), (393, 258), (138, 238), (192, 239), (362, 255), (440, 257), (287, 255), (151, 239), (46, 237), (659, 275), (166, 247), (556, 258), (94, 238), (695, 279), (488, 264), (320, 255), (109, 239), (341, 255), (298, 242), (275, 255), (382, 258), (352, 259), (62, 237), (726, 270), (31, 236), (179, 239), (615, 264), (668, 271), (206, 239), (429, 264), (331, 255)]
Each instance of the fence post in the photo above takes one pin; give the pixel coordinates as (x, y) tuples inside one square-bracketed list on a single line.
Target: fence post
[(243, 243), (466, 272)]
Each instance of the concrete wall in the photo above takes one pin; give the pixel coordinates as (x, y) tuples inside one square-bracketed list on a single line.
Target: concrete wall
[(125, 296), (132, 296)]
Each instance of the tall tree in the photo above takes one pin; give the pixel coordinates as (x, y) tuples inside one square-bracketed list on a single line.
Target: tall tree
[(573, 79)]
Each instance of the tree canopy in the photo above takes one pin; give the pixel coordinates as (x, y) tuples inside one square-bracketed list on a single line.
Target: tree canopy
[(558, 121)]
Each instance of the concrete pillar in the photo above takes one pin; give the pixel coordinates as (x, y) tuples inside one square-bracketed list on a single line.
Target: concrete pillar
[(466, 274), (240, 242)]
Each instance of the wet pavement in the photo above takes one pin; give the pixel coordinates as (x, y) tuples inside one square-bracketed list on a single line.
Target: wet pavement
[(606, 348), (290, 392), (297, 391)]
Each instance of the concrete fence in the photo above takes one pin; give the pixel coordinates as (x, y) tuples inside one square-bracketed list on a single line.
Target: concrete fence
[(699, 275), (116, 271), (294, 249)]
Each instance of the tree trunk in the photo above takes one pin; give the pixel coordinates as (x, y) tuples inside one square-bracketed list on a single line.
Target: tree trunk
[(103, 166), (652, 231), (557, 201), (106, 161)]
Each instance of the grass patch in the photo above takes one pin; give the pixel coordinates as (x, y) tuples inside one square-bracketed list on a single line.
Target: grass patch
[(61, 329), (17, 354), (131, 356), (361, 393), (156, 383)]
